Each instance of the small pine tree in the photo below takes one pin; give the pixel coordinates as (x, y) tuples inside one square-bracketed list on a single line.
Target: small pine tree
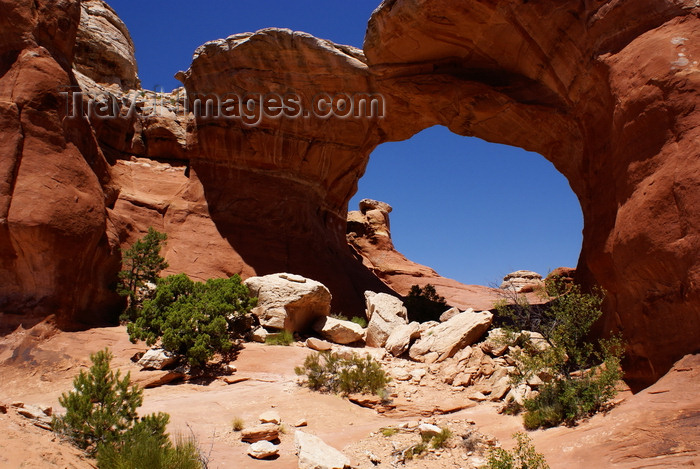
[(142, 264), (101, 407)]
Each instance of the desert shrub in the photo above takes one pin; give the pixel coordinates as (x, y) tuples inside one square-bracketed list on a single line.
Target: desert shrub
[(439, 440), (142, 263), (329, 372), (362, 322), (424, 304), (194, 320), (101, 418), (237, 424), (281, 338), (389, 431), (523, 456), (145, 449), (583, 374), (414, 451)]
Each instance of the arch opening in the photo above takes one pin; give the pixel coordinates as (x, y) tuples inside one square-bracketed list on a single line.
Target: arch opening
[(471, 210)]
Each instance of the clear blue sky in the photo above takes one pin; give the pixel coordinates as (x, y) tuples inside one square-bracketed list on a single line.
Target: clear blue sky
[(472, 210)]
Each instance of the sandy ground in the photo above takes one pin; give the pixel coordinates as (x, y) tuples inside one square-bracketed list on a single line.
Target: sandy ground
[(659, 427)]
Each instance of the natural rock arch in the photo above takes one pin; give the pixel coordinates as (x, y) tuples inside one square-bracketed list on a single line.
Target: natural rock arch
[(605, 90)]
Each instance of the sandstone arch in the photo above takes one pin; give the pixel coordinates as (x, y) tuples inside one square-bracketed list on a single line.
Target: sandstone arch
[(606, 90)]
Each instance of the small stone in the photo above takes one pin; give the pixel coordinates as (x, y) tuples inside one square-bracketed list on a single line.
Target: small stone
[(400, 374), (235, 379), (318, 344), (260, 335), (262, 450), (230, 369), (3, 409), (156, 359), (19, 404), (270, 417), (301, 423), (427, 429), (267, 431), (478, 397)]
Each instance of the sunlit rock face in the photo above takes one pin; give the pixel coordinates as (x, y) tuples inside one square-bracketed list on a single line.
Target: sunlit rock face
[(607, 91)]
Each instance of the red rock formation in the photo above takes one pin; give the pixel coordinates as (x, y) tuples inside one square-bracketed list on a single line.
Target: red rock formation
[(606, 90), (53, 250), (370, 236)]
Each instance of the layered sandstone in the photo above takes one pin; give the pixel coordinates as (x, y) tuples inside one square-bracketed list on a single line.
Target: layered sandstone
[(607, 91)]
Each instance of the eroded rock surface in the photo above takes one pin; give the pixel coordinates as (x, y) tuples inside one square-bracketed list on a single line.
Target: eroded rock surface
[(606, 91)]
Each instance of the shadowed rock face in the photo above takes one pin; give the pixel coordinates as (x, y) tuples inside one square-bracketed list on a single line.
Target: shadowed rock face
[(607, 91)]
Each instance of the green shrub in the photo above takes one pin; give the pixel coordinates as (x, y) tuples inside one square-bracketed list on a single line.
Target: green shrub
[(194, 320), (424, 304), (389, 431), (142, 263), (523, 456), (414, 451), (101, 418), (362, 322), (281, 338), (329, 372), (145, 450), (584, 374)]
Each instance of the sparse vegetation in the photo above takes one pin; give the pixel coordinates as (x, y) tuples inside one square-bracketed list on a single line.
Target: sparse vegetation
[(102, 420), (329, 372), (414, 451), (281, 338), (195, 320), (238, 424), (389, 431), (142, 264), (439, 440), (362, 322), (523, 456), (424, 304), (582, 375)]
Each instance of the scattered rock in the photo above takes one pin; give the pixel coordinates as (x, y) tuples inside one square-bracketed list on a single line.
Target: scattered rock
[(260, 335), (478, 397), (400, 374), (313, 453), (153, 379), (235, 379), (400, 338), (339, 331), (450, 313), (418, 374), (156, 359), (427, 429), (374, 459), (230, 369), (271, 416), (385, 312), (495, 344), (318, 344), (289, 302), (266, 431), (263, 450), (302, 422), (500, 389), (449, 337), (3, 408)]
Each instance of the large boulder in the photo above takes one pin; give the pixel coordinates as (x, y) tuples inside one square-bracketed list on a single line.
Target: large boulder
[(400, 338), (339, 331), (314, 453), (289, 302), (385, 312), (449, 337), (263, 450)]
